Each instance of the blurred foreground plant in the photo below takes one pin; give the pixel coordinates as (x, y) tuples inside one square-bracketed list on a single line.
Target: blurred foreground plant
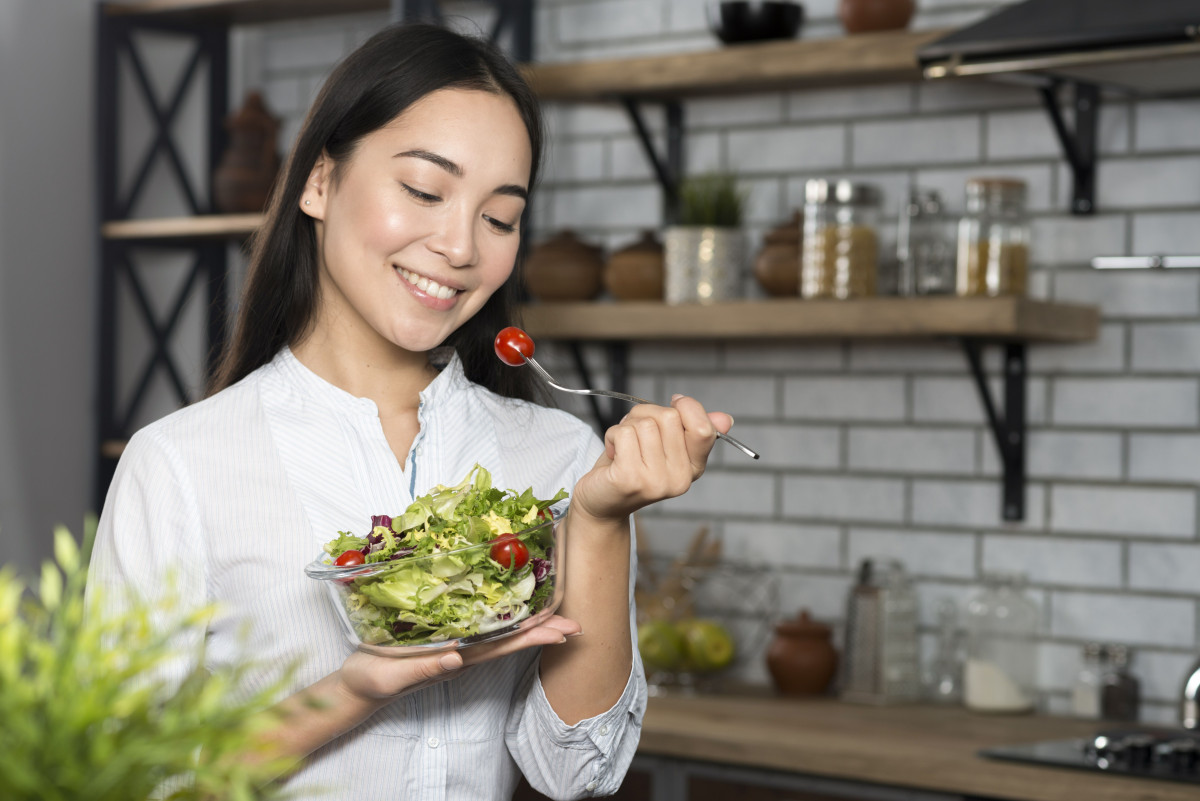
[(83, 716)]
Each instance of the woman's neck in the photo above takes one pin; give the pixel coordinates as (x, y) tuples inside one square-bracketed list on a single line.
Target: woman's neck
[(390, 376)]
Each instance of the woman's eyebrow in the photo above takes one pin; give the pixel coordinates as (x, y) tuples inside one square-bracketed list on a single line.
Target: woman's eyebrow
[(454, 169)]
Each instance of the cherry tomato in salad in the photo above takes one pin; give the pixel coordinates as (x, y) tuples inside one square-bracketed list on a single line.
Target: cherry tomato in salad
[(513, 346), (350, 558), (508, 551)]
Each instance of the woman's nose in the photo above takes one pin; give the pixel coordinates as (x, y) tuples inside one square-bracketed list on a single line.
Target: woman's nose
[(455, 240)]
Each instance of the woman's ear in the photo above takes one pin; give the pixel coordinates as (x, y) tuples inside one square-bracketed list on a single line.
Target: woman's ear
[(316, 188)]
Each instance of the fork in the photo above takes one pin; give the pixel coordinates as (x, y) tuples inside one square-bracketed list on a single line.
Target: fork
[(607, 393)]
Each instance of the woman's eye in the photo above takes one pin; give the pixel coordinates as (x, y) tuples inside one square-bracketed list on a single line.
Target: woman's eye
[(502, 227), (424, 197)]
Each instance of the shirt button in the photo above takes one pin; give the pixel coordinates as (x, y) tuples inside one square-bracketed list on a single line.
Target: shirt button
[(604, 730), (590, 786), (433, 742)]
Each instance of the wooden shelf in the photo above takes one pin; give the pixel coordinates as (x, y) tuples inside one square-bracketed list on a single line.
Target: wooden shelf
[(862, 58), (208, 226), (1003, 318), (239, 11)]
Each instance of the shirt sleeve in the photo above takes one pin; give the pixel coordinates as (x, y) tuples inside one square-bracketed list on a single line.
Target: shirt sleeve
[(149, 546)]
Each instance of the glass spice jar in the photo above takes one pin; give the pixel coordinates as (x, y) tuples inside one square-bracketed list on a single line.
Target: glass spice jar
[(840, 247), (993, 239), (1001, 668), (925, 248)]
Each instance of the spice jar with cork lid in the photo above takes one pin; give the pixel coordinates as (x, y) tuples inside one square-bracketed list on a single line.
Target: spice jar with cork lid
[(840, 247), (993, 239)]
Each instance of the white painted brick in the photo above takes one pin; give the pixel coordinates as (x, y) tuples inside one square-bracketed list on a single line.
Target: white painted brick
[(912, 450), (1159, 714), (1143, 402), (738, 112), (1075, 240), (1167, 124), (1164, 457), (1166, 347), (1147, 182), (1063, 454), (1164, 568), (703, 152), (740, 396), (662, 535), (956, 400), (859, 102), (782, 545), (783, 356), (660, 356), (1161, 675), (786, 446), (686, 15), (601, 20), (843, 498), (1132, 511), (972, 504), (1131, 619), (1020, 135), (934, 356), (1073, 562), (304, 49), (568, 161), (785, 148), (763, 204), (622, 206), (1104, 355), (823, 596), (1133, 293), (922, 554), (588, 119), (720, 492), (922, 141), (286, 95), (1166, 233), (942, 96), (836, 398), (1058, 665)]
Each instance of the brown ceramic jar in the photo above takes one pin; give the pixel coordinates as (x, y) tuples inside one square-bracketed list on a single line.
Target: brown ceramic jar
[(860, 16), (777, 266), (243, 180), (801, 658), (636, 272), (564, 268)]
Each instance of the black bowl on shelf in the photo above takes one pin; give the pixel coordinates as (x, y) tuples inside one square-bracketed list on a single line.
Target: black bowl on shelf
[(745, 21)]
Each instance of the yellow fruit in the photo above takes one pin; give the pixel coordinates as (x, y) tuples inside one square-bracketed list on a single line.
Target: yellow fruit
[(709, 645), (661, 645)]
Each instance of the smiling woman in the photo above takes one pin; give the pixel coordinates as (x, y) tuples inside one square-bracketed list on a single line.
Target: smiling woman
[(392, 238)]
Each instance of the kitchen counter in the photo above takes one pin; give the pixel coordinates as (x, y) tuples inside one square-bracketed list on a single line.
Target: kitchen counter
[(912, 746)]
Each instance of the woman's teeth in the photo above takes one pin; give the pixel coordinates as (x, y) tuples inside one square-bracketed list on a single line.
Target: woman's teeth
[(431, 288)]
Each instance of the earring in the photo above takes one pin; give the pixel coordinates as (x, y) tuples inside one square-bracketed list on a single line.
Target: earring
[(308, 203)]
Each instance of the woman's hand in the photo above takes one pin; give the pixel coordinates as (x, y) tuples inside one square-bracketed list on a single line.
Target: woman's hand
[(655, 452), (367, 678)]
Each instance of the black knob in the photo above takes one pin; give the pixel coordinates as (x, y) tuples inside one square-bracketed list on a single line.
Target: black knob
[(1182, 755), (1139, 750)]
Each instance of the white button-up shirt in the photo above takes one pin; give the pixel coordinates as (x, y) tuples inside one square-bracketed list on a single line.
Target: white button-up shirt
[(234, 495)]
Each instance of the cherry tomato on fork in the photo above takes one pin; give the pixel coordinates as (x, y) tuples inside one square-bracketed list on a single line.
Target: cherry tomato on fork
[(508, 551), (513, 346)]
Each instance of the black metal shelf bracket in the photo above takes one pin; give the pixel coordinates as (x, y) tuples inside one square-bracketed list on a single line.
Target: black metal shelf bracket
[(1009, 429), (1079, 145), (668, 168)]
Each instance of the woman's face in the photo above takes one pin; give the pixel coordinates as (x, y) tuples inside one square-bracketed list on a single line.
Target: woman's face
[(421, 225)]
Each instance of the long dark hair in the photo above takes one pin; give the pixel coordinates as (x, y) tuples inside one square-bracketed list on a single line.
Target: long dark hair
[(392, 70)]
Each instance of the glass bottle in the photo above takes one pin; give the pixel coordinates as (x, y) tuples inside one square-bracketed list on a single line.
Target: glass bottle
[(1120, 692), (1085, 695), (945, 679), (925, 250), (1001, 667), (839, 255), (993, 239)]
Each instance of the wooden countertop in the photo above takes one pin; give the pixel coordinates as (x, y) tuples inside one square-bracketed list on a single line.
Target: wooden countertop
[(916, 746)]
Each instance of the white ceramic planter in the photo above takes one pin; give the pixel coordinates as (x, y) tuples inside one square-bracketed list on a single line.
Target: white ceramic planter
[(704, 264)]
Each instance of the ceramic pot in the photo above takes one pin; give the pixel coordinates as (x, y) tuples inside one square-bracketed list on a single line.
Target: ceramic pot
[(636, 272), (801, 658), (777, 267), (564, 268), (860, 16), (704, 264), (243, 179)]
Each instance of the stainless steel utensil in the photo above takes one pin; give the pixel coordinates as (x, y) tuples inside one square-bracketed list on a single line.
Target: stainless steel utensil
[(605, 393)]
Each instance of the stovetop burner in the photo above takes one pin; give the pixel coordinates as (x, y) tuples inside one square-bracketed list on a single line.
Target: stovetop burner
[(1149, 753)]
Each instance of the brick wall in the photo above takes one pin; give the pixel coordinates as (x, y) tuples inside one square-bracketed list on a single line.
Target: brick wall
[(880, 449)]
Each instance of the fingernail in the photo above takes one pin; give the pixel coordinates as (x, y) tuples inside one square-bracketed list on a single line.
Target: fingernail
[(575, 634), (731, 420), (451, 661), (676, 397)]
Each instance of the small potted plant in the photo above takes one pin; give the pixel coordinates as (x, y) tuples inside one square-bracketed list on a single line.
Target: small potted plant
[(706, 251), (85, 717)]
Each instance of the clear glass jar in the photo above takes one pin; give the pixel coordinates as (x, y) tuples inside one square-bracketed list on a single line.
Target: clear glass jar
[(840, 248), (945, 674), (993, 239), (1002, 629), (1085, 694), (925, 250)]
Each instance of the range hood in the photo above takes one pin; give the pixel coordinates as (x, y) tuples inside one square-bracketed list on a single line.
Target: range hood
[(1149, 47)]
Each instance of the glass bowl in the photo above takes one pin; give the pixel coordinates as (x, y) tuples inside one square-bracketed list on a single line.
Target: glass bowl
[(440, 602)]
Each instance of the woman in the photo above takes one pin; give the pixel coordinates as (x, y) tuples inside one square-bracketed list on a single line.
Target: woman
[(394, 231)]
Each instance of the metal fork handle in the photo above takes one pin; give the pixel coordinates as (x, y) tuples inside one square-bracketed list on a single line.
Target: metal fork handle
[(607, 393)]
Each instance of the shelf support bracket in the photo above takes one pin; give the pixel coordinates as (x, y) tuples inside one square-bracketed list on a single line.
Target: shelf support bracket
[(618, 366), (1079, 146), (668, 168), (1009, 429)]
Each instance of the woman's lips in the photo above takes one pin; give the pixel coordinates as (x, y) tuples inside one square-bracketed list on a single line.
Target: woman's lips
[(427, 285)]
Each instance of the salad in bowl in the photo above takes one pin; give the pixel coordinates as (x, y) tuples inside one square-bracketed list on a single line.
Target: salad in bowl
[(462, 565)]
